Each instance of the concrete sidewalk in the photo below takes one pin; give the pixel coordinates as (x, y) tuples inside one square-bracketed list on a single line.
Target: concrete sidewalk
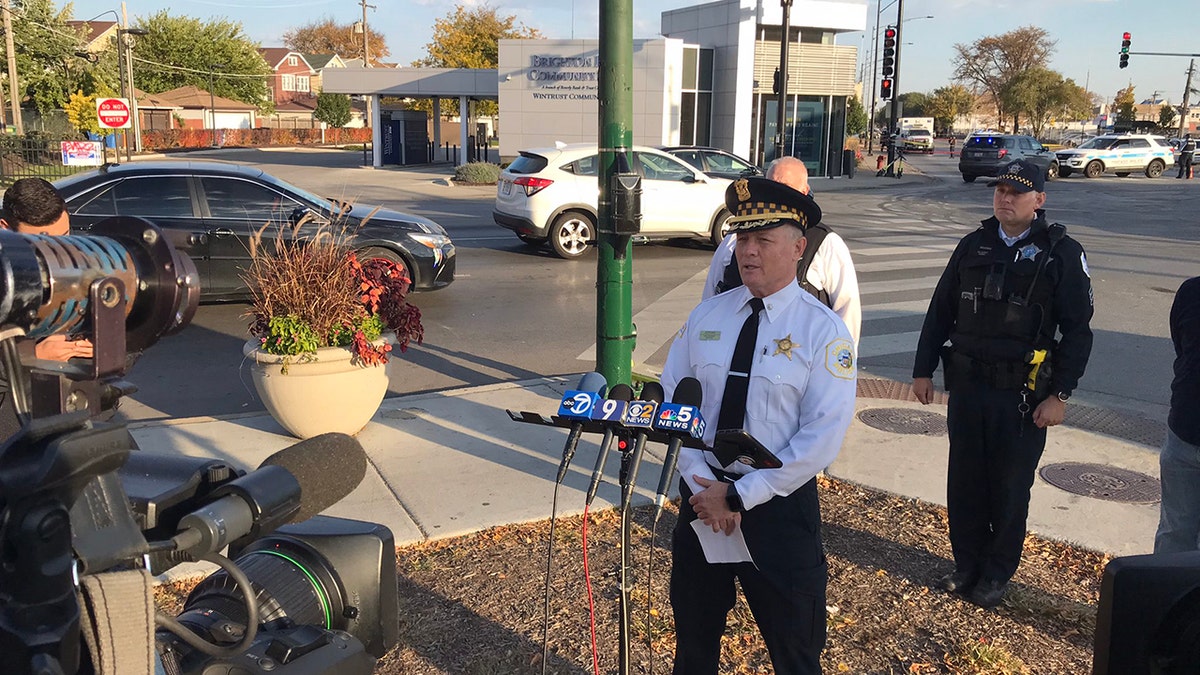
[(450, 463)]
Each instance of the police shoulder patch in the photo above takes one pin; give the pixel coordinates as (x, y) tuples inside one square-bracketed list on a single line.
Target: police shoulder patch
[(839, 358)]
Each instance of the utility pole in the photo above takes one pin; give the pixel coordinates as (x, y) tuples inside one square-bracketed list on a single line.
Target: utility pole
[(894, 121), (366, 49), (14, 91), (121, 80), (367, 61), (1187, 89), (784, 41), (133, 106)]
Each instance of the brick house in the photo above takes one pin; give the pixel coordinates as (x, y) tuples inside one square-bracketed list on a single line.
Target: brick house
[(291, 77)]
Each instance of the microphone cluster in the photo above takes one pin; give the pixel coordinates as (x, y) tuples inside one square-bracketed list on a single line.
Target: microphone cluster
[(593, 408)]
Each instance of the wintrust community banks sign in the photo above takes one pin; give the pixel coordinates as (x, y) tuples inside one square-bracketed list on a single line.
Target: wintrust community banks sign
[(549, 91), (563, 78)]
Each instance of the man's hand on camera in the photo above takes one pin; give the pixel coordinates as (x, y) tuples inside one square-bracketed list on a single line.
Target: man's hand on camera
[(59, 348)]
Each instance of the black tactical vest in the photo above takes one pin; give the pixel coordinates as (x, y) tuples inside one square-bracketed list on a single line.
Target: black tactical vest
[(1006, 295)]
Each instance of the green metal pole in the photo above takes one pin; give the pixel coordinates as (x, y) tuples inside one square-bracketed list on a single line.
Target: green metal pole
[(614, 264)]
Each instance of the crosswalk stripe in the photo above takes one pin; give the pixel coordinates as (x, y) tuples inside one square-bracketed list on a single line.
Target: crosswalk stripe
[(884, 345), (661, 319), (897, 250), (872, 287), (893, 310), (893, 265)]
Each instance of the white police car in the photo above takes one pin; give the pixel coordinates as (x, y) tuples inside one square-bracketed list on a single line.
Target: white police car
[(1120, 154)]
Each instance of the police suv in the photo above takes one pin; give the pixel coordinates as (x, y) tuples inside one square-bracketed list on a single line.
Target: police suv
[(1121, 154)]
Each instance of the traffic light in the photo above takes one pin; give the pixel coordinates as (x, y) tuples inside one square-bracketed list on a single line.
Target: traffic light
[(889, 52), (885, 88), (1125, 50)]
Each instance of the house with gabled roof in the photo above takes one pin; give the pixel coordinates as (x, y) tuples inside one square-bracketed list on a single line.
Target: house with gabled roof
[(97, 35), (291, 75)]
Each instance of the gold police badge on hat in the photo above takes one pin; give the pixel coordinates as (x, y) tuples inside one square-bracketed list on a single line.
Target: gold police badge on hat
[(742, 186)]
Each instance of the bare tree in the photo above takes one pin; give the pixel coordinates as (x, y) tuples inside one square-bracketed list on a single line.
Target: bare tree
[(992, 61)]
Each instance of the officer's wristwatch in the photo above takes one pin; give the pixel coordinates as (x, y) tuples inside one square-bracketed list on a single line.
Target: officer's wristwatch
[(733, 499), (1063, 395)]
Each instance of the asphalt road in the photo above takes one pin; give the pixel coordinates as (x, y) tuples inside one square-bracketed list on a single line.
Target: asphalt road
[(515, 312)]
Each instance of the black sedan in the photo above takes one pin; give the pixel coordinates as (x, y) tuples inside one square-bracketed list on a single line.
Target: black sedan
[(209, 210), (714, 161)]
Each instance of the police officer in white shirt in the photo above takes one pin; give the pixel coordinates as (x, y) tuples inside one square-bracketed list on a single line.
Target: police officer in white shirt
[(831, 275), (788, 378)]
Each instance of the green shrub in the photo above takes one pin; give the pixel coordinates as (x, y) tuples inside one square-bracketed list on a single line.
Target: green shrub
[(477, 173)]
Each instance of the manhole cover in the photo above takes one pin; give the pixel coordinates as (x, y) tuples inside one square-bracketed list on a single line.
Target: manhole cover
[(904, 421), (1103, 482)]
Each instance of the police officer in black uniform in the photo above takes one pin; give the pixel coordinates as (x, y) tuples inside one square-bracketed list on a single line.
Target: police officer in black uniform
[(1010, 288), (1186, 153)]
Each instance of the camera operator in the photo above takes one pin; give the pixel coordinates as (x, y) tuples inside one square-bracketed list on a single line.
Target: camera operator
[(33, 206)]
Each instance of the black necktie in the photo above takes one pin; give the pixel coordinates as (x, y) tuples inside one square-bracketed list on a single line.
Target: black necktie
[(737, 383)]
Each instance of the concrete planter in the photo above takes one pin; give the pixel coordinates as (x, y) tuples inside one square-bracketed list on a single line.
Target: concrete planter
[(313, 394)]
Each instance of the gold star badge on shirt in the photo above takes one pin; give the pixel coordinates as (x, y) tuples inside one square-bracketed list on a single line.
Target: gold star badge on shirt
[(784, 346)]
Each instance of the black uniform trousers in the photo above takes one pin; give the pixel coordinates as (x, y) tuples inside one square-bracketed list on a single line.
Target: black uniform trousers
[(1185, 165), (994, 452), (786, 592)]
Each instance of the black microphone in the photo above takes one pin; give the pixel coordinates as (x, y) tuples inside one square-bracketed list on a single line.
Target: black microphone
[(591, 383), (652, 394), (290, 486), (687, 393), (619, 392)]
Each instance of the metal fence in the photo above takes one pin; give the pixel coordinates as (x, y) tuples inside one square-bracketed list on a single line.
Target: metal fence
[(33, 156)]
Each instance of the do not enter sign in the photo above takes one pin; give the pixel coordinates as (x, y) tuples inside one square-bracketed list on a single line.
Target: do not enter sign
[(113, 113)]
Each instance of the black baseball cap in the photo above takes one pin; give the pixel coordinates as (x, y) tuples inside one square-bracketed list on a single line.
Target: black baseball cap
[(1023, 176)]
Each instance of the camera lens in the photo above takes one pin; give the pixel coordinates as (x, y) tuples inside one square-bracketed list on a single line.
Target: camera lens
[(293, 583)]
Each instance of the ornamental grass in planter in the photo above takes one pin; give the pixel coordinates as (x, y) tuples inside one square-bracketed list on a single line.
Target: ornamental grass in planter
[(323, 325)]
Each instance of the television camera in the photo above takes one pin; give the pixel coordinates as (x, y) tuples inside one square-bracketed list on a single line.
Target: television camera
[(86, 517)]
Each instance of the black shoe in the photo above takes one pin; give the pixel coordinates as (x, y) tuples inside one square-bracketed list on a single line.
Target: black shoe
[(988, 593), (958, 582)]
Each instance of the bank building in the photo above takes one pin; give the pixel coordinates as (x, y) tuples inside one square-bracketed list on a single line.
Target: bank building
[(708, 79)]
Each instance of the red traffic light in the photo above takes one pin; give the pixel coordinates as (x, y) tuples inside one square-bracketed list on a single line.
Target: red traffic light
[(885, 88), (890, 32), (1126, 36)]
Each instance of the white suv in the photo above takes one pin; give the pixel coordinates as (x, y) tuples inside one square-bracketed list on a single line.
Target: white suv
[(550, 194), (1120, 154)]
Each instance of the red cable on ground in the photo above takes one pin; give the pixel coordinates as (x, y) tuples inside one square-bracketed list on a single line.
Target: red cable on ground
[(587, 578)]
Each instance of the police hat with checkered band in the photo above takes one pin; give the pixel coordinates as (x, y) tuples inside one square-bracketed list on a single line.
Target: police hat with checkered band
[(1023, 176), (761, 203)]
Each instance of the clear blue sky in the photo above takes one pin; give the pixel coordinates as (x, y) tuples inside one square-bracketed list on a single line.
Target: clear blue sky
[(1088, 31)]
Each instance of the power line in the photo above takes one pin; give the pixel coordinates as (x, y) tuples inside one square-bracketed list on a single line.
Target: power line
[(193, 70)]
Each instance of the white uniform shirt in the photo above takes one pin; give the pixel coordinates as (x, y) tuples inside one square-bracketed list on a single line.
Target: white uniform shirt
[(831, 270), (798, 407)]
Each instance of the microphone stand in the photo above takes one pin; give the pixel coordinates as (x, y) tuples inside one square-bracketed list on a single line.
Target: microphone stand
[(627, 476)]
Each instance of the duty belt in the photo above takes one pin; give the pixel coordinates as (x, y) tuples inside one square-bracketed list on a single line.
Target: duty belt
[(1001, 375)]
